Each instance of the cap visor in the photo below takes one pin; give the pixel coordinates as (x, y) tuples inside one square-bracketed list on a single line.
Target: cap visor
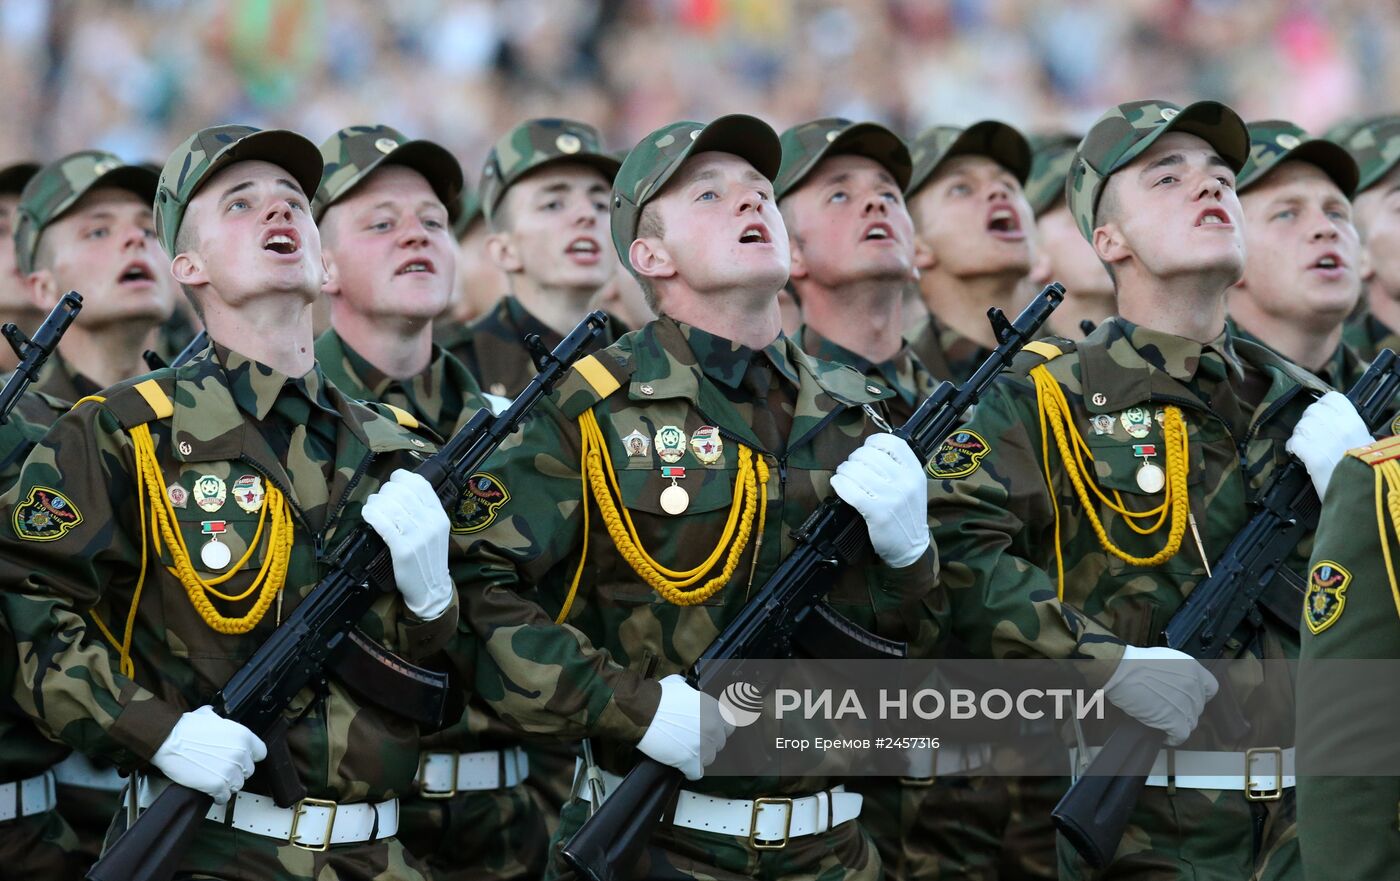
[(747, 137), (1334, 161), (439, 167), (997, 141), (14, 177), (1210, 121), (868, 139), (283, 148), (136, 179)]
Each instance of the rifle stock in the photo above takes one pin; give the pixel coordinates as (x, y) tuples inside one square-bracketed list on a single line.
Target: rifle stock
[(608, 845), (302, 649), (1093, 813)]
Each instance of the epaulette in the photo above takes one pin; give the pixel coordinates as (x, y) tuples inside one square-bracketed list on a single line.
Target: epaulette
[(592, 379), (1037, 352), (1378, 452), (137, 403)]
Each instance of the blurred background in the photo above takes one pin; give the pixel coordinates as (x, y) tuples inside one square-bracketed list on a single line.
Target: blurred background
[(136, 76)]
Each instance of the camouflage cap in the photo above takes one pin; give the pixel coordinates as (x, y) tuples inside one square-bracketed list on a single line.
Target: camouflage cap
[(1374, 144), (1273, 141), (806, 145), (1051, 157), (13, 177), (58, 186), (351, 154), (995, 140), (536, 143), (659, 155), (212, 149), (1126, 131), (468, 212)]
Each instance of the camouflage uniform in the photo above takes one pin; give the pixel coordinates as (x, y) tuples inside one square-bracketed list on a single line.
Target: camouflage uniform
[(1003, 531), (1348, 824), (944, 351), (491, 346), (651, 392), (75, 545), (1375, 145), (488, 834)]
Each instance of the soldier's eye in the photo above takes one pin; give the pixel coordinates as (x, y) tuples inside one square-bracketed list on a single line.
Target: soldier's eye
[(838, 196), (238, 205), (1285, 214), (100, 232), (959, 190), (1167, 179), (890, 197), (1228, 182), (553, 205), (380, 225), (433, 223), (707, 196)]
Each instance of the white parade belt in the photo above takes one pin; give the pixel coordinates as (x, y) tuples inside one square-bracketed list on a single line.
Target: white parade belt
[(444, 773), (1262, 774), (768, 823), (310, 824), (78, 770), (25, 798)]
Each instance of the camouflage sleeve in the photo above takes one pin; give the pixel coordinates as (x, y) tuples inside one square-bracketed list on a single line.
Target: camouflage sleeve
[(421, 638), (1349, 614), (64, 546), (994, 526), (525, 527)]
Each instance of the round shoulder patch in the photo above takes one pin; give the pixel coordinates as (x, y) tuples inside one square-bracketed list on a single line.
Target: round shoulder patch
[(960, 455), (477, 508), (1327, 587), (45, 515)]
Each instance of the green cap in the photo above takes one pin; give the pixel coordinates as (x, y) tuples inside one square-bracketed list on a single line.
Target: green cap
[(660, 154), (806, 145), (212, 149), (58, 186), (13, 177), (995, 140), (468, 213), (1051, 157), (1374, 144), (1272, 141), (351, 154), (1126, 131), (536, 143)]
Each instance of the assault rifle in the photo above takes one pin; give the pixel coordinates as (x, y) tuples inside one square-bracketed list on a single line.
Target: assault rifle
[(34, 351), (789, 612), (192, 348), (322, 626), (1248, 582)]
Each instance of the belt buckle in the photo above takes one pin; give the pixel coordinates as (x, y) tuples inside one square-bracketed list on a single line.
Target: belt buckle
[(766, 844), (423, 791), (296, 823), (1250, 793)]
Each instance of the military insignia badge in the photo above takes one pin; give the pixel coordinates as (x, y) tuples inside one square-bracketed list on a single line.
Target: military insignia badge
[(636, 444), (248, 492), (178, 495), (210, 492), (45, 515), (706, 444), (960, 455), (1327, 588), (477, 507), (670, 443), (1103, 424), (1137, 422)]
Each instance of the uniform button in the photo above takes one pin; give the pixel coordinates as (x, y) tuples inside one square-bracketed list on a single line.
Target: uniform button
[(185, 448), (1100, 399), (873, 389), (647, 390), (416, 442)]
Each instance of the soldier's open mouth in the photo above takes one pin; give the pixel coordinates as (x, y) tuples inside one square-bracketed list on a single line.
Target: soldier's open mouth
[(754, 234), (136, 272), (281, 242)]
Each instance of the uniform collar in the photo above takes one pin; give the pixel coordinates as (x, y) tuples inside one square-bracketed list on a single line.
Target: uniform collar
[(255, 387), (59, 380), (898, 372), (1336, 370), (725, 362)]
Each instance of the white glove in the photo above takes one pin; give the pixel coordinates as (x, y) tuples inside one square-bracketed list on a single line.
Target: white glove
[(688, 729), (209, 753), (885, 482), (1163, 689), (409, 517), (1328, 428)]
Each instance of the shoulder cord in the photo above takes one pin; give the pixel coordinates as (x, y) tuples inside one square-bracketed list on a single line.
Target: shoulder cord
[(1055, 410), (1388, 473), (669, 583)]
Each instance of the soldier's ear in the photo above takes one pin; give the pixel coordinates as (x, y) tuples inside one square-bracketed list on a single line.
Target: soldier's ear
[(650, 258), (924, 258), (330, 275), (42, 288), (1109, 243), (500, 247), (799, 260), (188, 269), (1365, 266)]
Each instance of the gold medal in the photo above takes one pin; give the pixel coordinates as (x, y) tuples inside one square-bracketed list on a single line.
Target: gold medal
[(248, 492), (674, 498), (1137, 422)]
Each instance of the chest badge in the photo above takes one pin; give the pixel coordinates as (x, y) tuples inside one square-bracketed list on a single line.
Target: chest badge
[(1103, 424), (248, 492), (215, 555), (670, 443), (636, 444), (1137, 422), (210, 492), (674, 498), (178, 495), (706, 444), (1150, 476)]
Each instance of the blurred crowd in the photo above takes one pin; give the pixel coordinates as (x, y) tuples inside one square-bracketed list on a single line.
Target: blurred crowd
[(132, 76)]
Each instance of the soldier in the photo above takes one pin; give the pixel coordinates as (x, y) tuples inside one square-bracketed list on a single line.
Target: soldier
[(973, 225), (1066, 257), (720, 434), (15, 305), (544, 191), (1061, 559), (385, 228), (852, 244), (1372, 144), (84, 224), (248, 455), (1302, 273)]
